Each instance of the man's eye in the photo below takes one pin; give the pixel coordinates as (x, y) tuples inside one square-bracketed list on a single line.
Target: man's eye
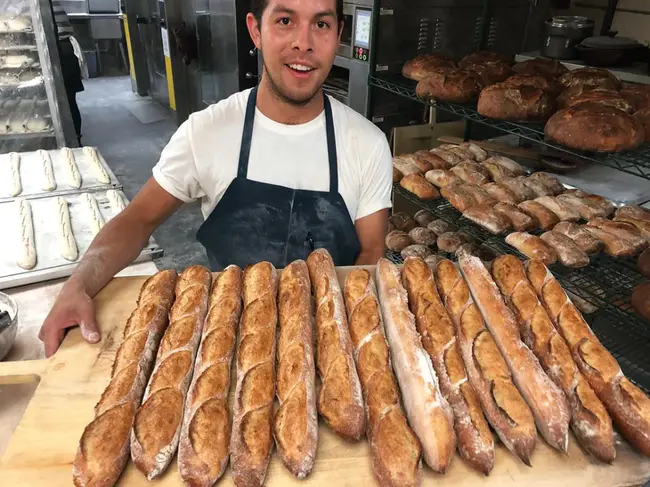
[(322, 25), (284, 21)]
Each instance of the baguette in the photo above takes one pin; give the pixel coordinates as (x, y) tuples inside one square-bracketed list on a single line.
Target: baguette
[(563, 211), (251, 441), (428, 411), (615, 245), (532, 247), (501, 193), (628, 406), (340, 401), (486, 217), (567, 251), (203, 449), (520, 221), (546, 218), (589, 419), (487, 372), (157, 424), (547, 402), (585, 241), (475, 441), (295, 425), (104, 445), (395, 450)]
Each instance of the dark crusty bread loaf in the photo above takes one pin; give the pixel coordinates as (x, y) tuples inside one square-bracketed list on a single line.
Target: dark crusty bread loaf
[(450, 242), (440, 226), (157, 424), (203, 449), (547, 402), (395, 450), (424, 217), (599, 97), (491, 72), (551, 182), (340, 401), (589, 419), (475, 441), (520, 221), (481, 57), (627, 405), (540, 82), (638, 95), (540, 66), (454, 85), (563, 211), (251, 442), (397, 240), (568, 253), (596, 128), (104, 445), (487, 371), (532, 246), (295, 425), (423, 236), (591, 78), (585, 240), (523, 103), (501, 193), (420, 67), (642, 117), (428, 412), (416, 250), (518, 187)]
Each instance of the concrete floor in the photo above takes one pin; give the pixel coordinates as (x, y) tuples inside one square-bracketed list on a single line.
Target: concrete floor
[(131, 131)]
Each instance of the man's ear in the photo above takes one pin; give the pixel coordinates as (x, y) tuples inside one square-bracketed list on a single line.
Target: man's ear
[(254, 30), (341, 24)]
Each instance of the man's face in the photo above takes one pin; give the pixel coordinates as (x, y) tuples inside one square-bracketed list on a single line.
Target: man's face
[(298, 40)]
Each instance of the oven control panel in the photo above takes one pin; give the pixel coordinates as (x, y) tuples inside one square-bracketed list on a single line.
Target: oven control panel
[(362, 30)]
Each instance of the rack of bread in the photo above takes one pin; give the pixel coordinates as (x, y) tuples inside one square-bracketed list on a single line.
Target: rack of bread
[(423, 360)]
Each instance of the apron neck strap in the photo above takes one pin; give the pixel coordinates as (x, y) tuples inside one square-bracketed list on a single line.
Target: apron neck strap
[(247, 138)]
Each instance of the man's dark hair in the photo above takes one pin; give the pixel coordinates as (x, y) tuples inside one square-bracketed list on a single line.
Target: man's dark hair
[(258, 7)]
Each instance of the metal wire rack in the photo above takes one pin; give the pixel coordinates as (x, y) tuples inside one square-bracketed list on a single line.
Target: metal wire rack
[(636, 162)]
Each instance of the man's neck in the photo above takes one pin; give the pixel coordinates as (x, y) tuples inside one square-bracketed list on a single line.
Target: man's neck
[(279, 110)]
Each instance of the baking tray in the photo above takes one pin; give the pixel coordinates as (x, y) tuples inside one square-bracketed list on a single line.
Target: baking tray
[(50, 264), (31, 175)]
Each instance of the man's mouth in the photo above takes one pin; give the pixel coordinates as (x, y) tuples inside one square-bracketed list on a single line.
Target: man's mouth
[(300, 68)]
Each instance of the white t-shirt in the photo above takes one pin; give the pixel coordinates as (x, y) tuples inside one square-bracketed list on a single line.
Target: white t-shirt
[(202, 157)]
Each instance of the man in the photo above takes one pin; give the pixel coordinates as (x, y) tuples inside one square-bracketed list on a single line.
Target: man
[(280, 170)]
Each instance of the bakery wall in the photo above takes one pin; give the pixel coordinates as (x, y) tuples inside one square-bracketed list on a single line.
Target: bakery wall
[(632, 17)]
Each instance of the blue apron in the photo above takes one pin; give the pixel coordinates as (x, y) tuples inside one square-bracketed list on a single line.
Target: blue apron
[(256, 222)]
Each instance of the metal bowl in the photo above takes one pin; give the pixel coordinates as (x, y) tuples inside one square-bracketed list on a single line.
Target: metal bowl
[(8, 332)]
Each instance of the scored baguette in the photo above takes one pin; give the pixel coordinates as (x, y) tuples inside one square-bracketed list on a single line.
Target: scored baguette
[(157, 424), (104, 445), (428, 411), (203, 448), (628, 406), (547, 402), (251, 441), (475, 441), (589, 419), (295, 425), (395, 450), (487, 371), (340, 401)]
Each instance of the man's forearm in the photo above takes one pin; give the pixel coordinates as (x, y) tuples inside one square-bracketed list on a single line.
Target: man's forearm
[(114, 248), (369, 256)]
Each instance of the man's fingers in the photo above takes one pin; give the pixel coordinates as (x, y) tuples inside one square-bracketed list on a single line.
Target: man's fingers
[(89, 331), (52, 339)]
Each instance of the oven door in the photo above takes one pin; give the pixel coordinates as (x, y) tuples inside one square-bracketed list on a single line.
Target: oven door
[(345, 48)]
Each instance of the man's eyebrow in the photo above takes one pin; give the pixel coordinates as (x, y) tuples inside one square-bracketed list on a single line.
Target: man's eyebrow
[(281, 9), (325, 13)]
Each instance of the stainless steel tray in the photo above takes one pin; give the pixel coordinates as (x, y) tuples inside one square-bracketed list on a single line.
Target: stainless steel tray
[(31, 175), (49, 262)]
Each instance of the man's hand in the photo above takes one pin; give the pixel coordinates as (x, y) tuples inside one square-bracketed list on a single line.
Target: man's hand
[(73, 307)]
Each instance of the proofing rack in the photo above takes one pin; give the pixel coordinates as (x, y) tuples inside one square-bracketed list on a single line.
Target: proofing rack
[(606, 283), (636, 162)]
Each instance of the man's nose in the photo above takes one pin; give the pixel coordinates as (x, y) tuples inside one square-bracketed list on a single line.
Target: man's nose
[(303, 39)]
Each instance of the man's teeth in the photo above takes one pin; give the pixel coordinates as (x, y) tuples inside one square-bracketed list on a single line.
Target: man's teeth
[(300, 67)]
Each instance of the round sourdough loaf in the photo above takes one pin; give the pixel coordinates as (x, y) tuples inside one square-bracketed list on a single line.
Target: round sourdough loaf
[(448, 84), (523, 103), (540, 66), (420, 67), (534, 80), (590, 77), (599, 97)]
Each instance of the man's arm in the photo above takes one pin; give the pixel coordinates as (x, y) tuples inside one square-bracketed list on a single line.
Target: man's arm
[(371, 231)]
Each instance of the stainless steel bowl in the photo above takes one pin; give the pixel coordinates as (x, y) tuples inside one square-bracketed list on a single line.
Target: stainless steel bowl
[(8, 332)]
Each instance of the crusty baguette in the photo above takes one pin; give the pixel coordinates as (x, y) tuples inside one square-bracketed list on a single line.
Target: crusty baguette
[(520, 221), (104, 445), (157, 424), (251, 441), (295, 425), (546, 218), (488, 373), (475, 441), (624, 230), (628, 406), (395, 450), (589, 419), (587, 209), (563, 211), (547, 402), (486, 217), (532, 246), (428, 411), (340, 401), (615, 245), (203, 449), (588, 243), (568, 252)]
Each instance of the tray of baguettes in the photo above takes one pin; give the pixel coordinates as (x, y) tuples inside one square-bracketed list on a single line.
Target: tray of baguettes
[(378, 375), (587, 109)]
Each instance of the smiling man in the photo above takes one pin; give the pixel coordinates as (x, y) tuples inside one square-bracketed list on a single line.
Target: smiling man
[(280, 170)]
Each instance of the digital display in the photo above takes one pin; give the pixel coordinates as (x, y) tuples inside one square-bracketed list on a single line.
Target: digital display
[(362, 30)]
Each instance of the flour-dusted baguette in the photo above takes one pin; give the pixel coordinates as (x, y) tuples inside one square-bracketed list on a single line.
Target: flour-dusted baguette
[(589, 419), (563, 211), (295, 425), (157, 424), (428, 411), (628, 406), (487, 372), (475, 441), (340, 401), (251, 441), (587, 209), (395, 449), (203, 448), (104, 445), (547, 402)]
